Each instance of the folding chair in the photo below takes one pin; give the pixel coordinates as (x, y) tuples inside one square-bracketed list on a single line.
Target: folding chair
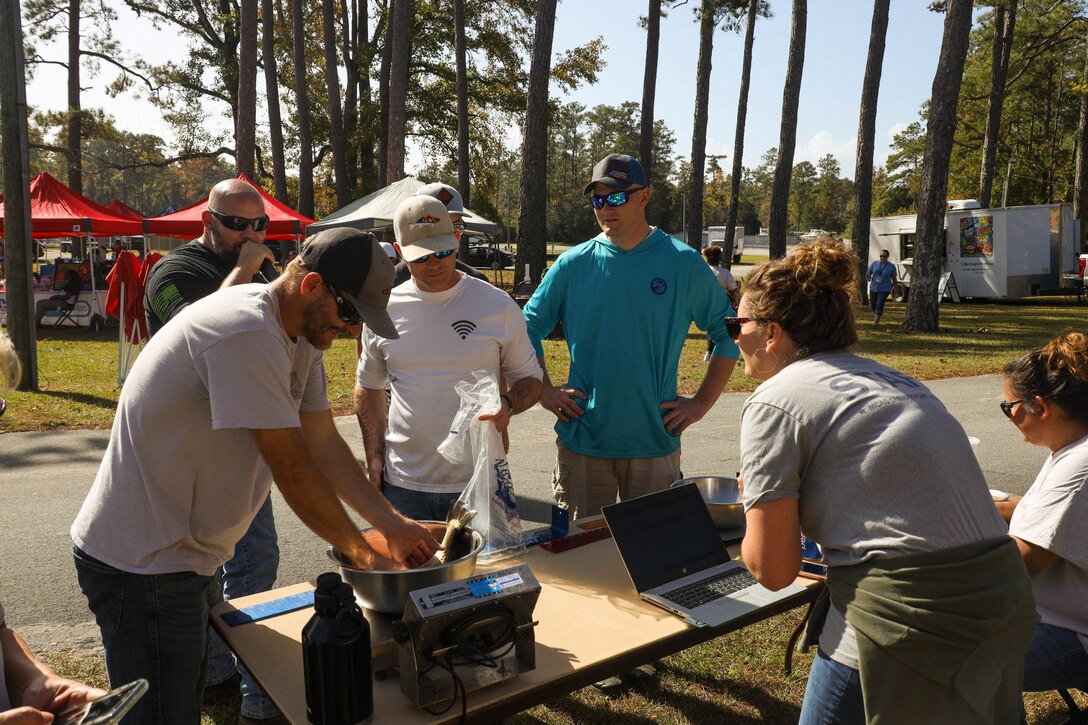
[(65, 313)]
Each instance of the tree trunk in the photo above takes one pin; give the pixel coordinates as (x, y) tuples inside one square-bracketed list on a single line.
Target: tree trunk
[(532, 219), (398, 88), (336, 118), (272, 98), (75, 110), (780, 194), (738, 139), (1080, 182), (16, 179), (693, 230), (922, 304), (863, 169), (383, 99), (649, 87), (350, 52), (463, 179), (302, 104), (245, 129), (1004, 25)]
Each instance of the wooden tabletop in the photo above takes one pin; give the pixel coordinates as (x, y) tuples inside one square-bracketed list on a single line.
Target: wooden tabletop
[(591, 625)]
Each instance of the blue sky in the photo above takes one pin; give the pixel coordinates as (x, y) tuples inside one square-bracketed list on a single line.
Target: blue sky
[(838, 38)]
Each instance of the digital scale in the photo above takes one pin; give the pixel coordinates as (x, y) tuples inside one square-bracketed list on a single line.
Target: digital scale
[(460, 636)]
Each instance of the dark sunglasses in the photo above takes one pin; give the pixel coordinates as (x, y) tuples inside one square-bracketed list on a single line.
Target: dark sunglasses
[(239, 223), (437, 255), (1006, 407), (616, 198), (344, 309), (732, 325)]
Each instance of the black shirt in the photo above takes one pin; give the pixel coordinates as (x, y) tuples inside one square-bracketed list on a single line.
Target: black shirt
[(187, 274)]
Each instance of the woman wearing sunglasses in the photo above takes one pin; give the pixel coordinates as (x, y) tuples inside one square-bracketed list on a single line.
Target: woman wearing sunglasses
[(930, 608), (1046, 397)]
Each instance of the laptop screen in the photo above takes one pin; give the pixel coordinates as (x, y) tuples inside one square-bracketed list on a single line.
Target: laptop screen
[(664, 536)]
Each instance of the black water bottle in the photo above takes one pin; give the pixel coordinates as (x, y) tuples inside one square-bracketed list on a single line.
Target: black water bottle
[(336, 657)]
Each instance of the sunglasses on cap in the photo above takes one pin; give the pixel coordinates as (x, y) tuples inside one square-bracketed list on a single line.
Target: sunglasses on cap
[(344, 309), (616, 198), (239, 223), (437, 255), (732, 324)]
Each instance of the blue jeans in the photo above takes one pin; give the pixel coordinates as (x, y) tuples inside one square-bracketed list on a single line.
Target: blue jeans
[(419, 505), (833, 694), (1056, 660), (250, 571), (155, 627), (877, 300)]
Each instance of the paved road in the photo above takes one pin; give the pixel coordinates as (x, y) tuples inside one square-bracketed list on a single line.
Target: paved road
[(44, 478)]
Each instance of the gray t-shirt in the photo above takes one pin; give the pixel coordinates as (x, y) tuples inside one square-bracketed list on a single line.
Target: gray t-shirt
[(182, 476), (5, 701), (1053, 514), (878, 465)]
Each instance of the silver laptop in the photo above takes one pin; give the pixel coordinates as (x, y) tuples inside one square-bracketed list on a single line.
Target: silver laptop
[(676, 559)]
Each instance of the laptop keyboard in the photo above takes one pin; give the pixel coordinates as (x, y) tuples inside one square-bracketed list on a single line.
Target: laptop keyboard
[(707, 590)]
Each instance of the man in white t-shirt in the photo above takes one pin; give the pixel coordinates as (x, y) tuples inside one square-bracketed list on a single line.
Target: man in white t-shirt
[(227, 397), (449, 325)]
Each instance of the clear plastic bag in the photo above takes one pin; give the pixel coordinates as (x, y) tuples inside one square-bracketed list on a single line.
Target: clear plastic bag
[(490, 492)]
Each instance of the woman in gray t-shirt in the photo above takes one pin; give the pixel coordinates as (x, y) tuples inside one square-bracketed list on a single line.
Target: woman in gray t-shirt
[(869, 464)]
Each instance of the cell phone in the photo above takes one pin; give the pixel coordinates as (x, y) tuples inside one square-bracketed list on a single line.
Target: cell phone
[(813, 569), (106, 710)]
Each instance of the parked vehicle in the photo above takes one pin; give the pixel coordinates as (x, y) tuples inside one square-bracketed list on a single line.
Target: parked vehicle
[(1007, 252), (489, 257), (716, 236)]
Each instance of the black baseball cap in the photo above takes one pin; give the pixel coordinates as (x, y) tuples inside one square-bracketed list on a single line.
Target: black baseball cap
[(617, 171), (355, 265)]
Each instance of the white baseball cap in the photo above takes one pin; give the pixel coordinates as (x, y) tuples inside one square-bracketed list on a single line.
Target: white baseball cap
[(390, 251), (422, 226), (450, 197)]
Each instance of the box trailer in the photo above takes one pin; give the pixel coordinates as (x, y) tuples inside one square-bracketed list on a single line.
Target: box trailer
[(1008, 252), (716, 236)]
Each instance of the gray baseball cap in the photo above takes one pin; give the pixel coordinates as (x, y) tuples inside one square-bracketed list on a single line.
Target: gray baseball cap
[(450, 197), (355, 265)]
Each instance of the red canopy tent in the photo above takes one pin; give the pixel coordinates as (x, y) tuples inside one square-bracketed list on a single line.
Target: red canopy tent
[(125, 211), (283, 221), (57, 211)]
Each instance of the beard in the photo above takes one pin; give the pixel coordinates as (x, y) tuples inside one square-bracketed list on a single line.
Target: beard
[(315, 328), (222, 249)]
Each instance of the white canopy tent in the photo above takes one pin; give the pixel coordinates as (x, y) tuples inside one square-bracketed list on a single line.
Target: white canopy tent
[(375, 211)]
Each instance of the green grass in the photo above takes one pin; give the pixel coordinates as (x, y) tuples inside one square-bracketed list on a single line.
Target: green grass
[(737, 678), (78, 368)]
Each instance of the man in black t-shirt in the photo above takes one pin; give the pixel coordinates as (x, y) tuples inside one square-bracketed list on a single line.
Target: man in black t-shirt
[(231, 251)]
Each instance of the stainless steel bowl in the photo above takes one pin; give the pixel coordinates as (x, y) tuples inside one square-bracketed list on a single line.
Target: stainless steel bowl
[(387, 591), (722, 498)]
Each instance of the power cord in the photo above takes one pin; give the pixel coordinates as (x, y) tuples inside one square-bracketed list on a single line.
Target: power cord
[(465, 652)]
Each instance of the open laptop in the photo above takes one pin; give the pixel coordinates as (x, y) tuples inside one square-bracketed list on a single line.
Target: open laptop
[(677, 561)]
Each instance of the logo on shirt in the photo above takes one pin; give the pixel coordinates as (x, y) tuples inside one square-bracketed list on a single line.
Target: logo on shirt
[(296, 387), (658, 286), (463, 327)]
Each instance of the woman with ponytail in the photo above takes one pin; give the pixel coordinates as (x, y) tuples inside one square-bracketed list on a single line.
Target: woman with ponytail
[(929, 609), (1046, 397)]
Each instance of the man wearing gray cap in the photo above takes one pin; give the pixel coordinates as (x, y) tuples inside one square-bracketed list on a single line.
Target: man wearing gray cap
[(223, 400), (627, 299), (474, 325)]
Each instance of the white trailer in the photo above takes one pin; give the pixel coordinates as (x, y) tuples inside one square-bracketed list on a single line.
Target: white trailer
[(1009, 252), (716, 236)]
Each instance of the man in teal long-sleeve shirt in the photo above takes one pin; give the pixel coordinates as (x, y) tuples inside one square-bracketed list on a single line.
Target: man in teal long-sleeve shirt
[(627, 299)]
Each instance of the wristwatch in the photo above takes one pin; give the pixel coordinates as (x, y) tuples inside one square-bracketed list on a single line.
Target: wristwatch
[(509, 401)]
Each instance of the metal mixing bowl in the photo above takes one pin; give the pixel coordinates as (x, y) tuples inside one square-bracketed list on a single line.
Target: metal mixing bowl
[(386, 590), (722, 499)]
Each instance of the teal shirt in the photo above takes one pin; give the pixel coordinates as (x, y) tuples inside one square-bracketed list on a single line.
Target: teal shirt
[(626, 315)]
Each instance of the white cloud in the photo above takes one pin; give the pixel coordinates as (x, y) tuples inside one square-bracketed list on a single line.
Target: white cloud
[(823, 143)]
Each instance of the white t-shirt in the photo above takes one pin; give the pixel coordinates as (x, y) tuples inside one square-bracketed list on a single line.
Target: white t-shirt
[(5, 701), (444, 337), (725, 278), (182, 477), (1053, 514)]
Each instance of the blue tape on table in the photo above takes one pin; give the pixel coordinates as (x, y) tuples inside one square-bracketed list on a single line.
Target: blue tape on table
[(266, 610), (559, 528)]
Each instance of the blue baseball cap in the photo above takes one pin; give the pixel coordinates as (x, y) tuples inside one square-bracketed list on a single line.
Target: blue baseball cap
[(617, 171)]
